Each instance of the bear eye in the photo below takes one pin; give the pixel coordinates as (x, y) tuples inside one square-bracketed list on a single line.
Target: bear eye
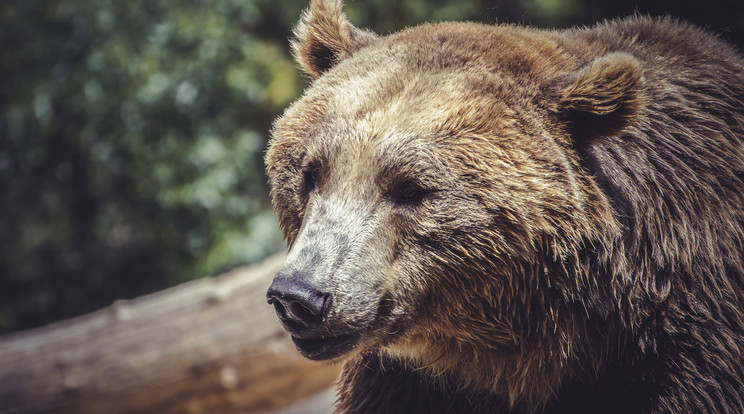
[(408, 193), (310, 177)]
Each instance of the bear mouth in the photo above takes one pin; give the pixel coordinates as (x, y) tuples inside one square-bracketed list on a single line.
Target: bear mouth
[(319, 349)]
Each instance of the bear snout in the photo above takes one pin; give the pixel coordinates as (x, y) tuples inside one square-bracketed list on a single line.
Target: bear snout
[(299, 305), (304, 311)]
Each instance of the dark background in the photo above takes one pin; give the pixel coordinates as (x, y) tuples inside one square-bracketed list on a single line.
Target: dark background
[(132, 132)]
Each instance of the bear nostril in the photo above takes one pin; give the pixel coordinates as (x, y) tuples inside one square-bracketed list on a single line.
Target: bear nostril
[(280, 310), (301, 312)]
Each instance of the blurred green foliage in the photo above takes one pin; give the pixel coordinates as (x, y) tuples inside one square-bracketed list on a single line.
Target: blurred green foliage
[(132, 133), (131, 145)]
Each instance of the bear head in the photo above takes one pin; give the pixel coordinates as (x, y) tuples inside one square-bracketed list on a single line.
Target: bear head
[(433, 191)]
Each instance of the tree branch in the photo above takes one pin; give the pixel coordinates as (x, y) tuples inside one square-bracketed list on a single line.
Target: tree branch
[(211, 345)]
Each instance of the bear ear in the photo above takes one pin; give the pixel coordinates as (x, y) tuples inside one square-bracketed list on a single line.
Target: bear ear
[(324, 37), (603, 97)]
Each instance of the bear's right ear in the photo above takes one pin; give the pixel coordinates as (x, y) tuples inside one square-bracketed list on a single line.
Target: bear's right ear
[(324, 37), (603, 97)]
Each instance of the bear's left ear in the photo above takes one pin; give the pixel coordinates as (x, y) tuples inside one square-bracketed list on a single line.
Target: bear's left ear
[(603, 97), (324, 37)]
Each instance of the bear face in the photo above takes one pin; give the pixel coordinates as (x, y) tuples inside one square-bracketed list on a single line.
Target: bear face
[(498, 204), (393, 185)]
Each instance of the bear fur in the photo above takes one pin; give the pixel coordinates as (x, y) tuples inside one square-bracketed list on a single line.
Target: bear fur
[(501, 219)]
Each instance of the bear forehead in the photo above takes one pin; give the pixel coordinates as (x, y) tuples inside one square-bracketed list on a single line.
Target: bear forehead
[(432, 79), (451, 47), (472, 57)]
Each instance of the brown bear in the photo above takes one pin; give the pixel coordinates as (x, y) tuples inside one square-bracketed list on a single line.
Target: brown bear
[(501, 219)]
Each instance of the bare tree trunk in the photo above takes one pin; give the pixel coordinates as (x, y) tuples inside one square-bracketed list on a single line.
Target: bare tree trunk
[(208, 346)]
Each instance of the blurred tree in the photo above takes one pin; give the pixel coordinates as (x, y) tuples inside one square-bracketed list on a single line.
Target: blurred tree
[(132, 133), (131, 144)]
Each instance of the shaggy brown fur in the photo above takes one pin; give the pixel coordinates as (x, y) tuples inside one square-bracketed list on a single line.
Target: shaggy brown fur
[(505, 219)]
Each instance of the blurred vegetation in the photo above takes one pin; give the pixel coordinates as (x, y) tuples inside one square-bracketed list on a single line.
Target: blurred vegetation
[(132, 133)]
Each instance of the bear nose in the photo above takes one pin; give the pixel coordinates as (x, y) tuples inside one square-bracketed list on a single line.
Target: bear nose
[(297, 303)]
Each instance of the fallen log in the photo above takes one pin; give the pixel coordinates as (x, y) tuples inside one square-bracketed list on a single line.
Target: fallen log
[(208, 346)]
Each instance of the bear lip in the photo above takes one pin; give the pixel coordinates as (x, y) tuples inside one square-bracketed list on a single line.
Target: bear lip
[(325, 348)]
